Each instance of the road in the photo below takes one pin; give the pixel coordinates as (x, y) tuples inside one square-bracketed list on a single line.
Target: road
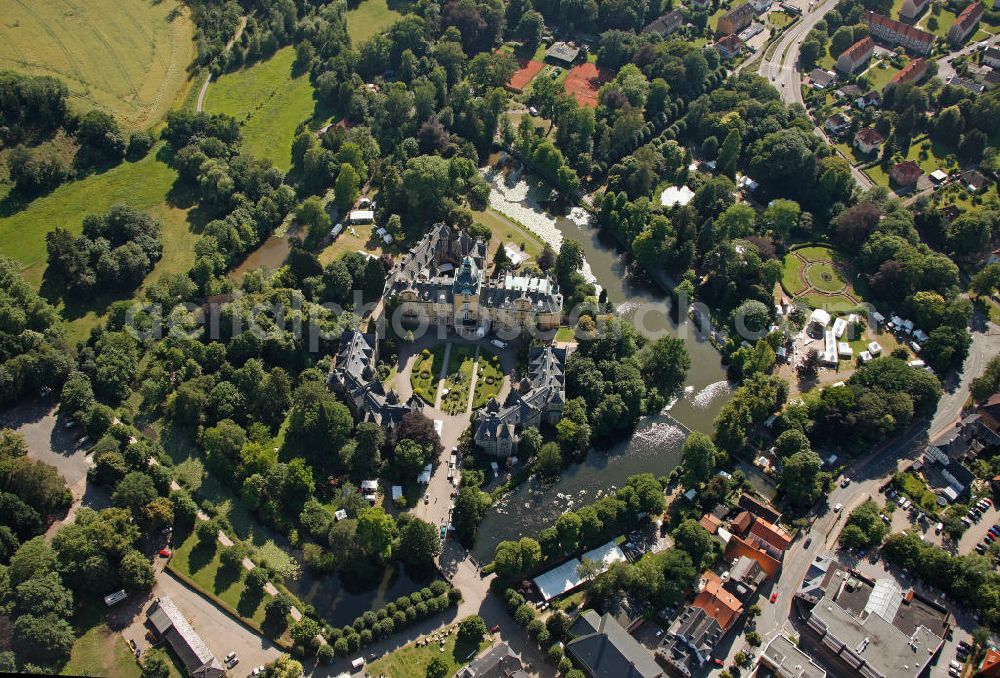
[(867, 474), (782, 69), (946, 70), (208, 78)]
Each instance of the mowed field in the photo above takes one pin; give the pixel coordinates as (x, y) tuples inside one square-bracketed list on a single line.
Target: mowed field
[(268, 102), (371, 17), (128, 57)]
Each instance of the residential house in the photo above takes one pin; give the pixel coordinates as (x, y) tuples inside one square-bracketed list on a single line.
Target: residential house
[(905, 174), (821, 79), (992, 78), (848, 91), (665, 25), (761, 6), (757, 508), (856, 57), (967, 84), (893, 32), (911, 72), (602, 648), (870, 100), (497, 662), (912, 9), (745, 577), (769, 537), (966, 23), (991, 57), (950, 212), (837, 124), (735, 20), (729, 46), (168, 623), (868, 140), (974, 181), (990, 668)]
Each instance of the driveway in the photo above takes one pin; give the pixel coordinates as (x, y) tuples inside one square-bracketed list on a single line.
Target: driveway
[(221, 633), (48, 440)]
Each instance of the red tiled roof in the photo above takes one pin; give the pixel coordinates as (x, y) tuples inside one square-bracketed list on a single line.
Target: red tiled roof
[(731, 42), (858, 50), (906, 172), (911, 72), (772, 534), (899, 27), (870, 136), (710, 523), (991, 664), (969, 16), (742, 522), (717, 602), (738, 546)]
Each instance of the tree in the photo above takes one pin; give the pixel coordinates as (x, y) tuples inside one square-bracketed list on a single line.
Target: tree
[(46, 639), (549, 461), (39, 484), (729, 153), (800, 478), (419, 543), (134, 491), (35, 557), (304, 632), (100, 137), (470, 504), (808, 368), (375, 532), (276, 610), (694, 540), (313, 215), (437, 668), (472, 630), (345, 191), (155, 663), (531, 27), (698, 459), (666, 364), (43, 594), (782, 216), (791, 442)]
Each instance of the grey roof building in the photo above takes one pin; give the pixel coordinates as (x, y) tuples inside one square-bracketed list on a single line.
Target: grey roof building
[(497, 662), (354, 377), (442, 281), (539, 396), (666, 24), (563, 51), (603, 649), (785, 660), (690, 640), (168, 623)]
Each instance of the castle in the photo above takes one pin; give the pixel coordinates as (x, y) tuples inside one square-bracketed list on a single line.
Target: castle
[(441, 281), (538, 397)]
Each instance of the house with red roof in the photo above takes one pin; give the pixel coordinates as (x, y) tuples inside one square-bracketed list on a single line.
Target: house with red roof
[(856, 57), (729, 46), (912, 72), (894, 33), (905, 174), (911, 9), (990, 668), (966, 23)]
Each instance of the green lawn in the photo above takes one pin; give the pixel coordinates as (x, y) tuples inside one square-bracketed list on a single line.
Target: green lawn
[(929, 155), (413, 660), (269, 101), (565, 334), (824, 277), (371, 18), (424, 375), (489, 378), (879, 74), (815, 253), (939, 23), (128, 57), (508, 232), (101, 652), (791, 275), (778, 19), (896, 6), (201, 564), (458, 379)]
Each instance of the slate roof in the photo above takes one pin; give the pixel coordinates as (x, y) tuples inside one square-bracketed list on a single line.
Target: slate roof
[(608, 651), (170, 623)]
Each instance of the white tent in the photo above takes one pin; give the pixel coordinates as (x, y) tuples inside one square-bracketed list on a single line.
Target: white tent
[(566, 577), (875, 348), (676, 195), (839, 327), (819, 317)]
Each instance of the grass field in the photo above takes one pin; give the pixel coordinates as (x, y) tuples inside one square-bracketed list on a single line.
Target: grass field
[(101, 652), (929, 155), (371, 18), (128, 57), (791, 275), (880, 74), (938, 24), (201, 564), (489, 378), (509, 233), (824, 277), (778, 19), (412, 660), (269, 101)]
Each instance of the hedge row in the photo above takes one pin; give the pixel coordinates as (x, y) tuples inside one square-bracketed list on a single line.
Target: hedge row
[(374, 625)]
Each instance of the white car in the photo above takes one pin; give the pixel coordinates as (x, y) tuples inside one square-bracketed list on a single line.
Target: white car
[(499, 344), (533, 110), (230, 656), (838, 507)]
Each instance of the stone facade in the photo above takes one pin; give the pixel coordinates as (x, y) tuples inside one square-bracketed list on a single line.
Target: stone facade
[(441, 282), (538, 397)]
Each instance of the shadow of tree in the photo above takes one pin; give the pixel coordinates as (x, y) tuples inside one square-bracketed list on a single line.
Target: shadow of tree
[(226, 576), (249, 602), (201, 555)]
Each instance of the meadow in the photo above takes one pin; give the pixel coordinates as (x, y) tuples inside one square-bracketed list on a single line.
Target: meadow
[(371, 17), (128, 57), (270, 101)]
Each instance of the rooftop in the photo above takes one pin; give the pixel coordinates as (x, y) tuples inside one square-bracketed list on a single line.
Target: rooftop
[(786, 660), (607, 650)]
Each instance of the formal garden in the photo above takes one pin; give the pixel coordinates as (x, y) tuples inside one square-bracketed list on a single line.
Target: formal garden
[(818, 275), (489, 378), (458, 381), (424, 375)]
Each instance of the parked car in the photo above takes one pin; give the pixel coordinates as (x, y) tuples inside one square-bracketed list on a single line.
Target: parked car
[(499, 344), (845, 482), (165, 553), (774, 596), (230, 656), (838, 507), (495, 629), (232, 662)]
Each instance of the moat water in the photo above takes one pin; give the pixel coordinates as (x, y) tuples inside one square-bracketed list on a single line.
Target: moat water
[(656, 444)]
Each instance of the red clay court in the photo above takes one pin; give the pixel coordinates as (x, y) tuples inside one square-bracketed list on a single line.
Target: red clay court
[(525, 74), (583, 82)]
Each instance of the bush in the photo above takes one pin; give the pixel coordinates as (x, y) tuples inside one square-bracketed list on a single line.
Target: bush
[(325, 654), (341, 647), (454, 596), (524, 614), (555, 653), (472, 630), (366, 637)]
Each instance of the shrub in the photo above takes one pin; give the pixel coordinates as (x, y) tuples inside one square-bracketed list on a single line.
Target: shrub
[(544, 638), (341, 647), (366, 637), (400, 618), (438, 587), (555, 653), (565, 665), (471, 630), (353, 641), (454, 596), (325, 654), (535, 626), (411, 614), (524, 614), (421, 610)]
